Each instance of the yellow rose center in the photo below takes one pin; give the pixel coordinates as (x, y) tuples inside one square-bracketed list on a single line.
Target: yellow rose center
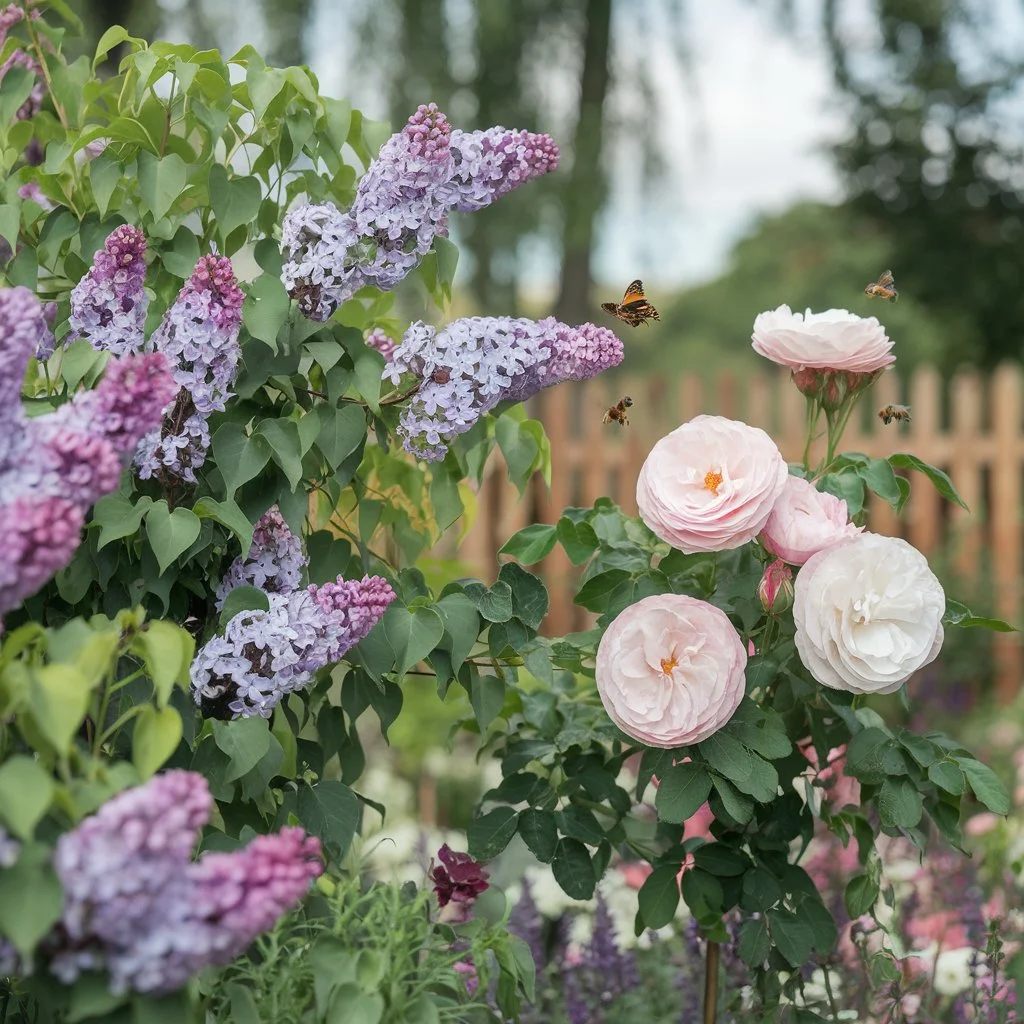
[(712, 481), (669, 663)]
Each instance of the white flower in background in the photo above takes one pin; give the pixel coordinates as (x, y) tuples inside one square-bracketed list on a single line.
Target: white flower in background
[(952, 971), (868, 614), (547, 894), (833, 340)]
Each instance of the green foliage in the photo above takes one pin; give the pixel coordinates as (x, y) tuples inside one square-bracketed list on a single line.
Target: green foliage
[(372, 955)]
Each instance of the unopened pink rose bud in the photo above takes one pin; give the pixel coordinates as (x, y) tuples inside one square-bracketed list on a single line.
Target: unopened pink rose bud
[(776, 588)]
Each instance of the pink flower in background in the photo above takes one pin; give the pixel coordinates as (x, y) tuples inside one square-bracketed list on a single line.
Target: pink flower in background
[(711, 484), (635, 872), (840, 789), (833, 340), (868, 614), (805, 521), (382, 342), (943, 927), (982, 824), (670, 670)]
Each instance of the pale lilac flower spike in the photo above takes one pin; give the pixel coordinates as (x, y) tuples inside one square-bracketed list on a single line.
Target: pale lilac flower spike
[(274, 563), (402, 203), (199, 335), (471, 365), (108, 306), (137, 906)]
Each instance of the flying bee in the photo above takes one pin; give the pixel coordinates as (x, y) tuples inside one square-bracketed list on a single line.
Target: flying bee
[(883, 288), (617, 412), (634, 308), (899, 413)]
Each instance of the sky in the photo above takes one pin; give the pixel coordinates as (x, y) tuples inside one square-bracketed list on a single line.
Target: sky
[(744, 133)]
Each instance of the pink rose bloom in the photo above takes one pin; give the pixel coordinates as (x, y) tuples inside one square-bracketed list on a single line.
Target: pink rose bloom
[(710, 485), (942, 927), (833, 340), (635, 873), (805, 521), (670, 670), (868, 614)]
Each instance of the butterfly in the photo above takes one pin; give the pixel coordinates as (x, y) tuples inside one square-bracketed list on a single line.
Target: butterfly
[(884, 287), (634, 308)]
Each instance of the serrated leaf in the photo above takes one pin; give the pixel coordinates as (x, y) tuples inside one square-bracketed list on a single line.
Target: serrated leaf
[(940, 480), (861, 895), (792, 937), (985, 785), (491, 833), (573, 869), (728, 757), (947, 776), (899, 803), (493, 603), (681, 791), (538, 830), (658, 898), (529, 595), (754, 943)]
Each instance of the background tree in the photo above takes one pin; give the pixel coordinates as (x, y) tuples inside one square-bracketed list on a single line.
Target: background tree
[(934, 159)]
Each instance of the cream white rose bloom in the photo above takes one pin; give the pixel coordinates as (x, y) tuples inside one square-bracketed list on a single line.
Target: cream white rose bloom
[(868, 614)]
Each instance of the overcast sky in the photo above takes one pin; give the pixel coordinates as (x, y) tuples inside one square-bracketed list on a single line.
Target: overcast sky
[(745, 135)]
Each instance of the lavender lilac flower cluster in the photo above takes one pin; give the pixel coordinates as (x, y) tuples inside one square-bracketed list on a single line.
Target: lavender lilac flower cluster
[(471, 365), (55, 466), (199, 334), (265, 655), (402, 203), (138, 907)]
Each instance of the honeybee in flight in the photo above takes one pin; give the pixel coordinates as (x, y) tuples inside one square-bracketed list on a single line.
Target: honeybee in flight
[(883, 288), (617, 412), (634, 308), (899, 413)]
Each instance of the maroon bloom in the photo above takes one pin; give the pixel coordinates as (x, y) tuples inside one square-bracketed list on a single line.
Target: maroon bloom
[(459, 878)]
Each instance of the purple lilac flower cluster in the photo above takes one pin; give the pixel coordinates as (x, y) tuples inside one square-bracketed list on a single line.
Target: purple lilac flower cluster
[(274, 563), (402, 203), (265, 655), (471, 365), (10, 16), (108, 306), (55, 466), (199, 335), (138, 907)]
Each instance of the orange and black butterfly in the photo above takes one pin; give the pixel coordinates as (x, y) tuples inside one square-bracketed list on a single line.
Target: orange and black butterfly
[(617, 413), (883, 288), (634, 308)]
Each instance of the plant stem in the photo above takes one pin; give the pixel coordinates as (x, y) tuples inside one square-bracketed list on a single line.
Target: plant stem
[(711, 984), (813, 412)]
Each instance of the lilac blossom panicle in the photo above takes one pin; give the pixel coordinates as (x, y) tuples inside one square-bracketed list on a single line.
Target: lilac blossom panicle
[(55, 466), (474, 363), (382, 342), (274, 562), (199, 335), (265, 655), (108, 306), (492, 163), (138, 907), (402, 203)]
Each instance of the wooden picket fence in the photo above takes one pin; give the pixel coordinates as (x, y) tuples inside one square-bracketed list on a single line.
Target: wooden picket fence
[(973, 429)]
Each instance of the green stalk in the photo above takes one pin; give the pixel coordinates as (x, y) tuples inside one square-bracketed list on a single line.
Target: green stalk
[(813, 412)]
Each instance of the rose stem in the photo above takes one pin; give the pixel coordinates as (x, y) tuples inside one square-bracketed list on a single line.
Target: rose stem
[(711, 984)]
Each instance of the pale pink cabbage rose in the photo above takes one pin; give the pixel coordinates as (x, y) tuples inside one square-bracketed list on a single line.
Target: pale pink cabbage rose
[(710, 485), (868, 614), (670, 670), (805, 521), (833, 340)]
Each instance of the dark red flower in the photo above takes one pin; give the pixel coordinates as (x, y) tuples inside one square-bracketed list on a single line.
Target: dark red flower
[(458, 878)]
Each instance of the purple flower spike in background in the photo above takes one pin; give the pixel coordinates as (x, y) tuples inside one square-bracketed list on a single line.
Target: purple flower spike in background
[(402, 204), (274, 563), (136, 904), (199, 335), (471, 365), (108, 306), (381, 342)]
